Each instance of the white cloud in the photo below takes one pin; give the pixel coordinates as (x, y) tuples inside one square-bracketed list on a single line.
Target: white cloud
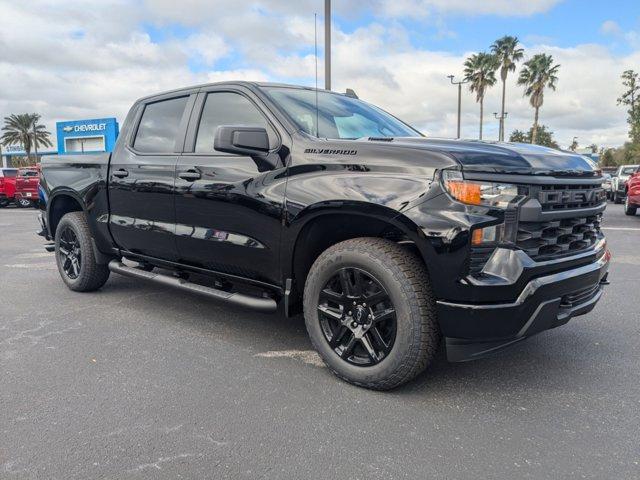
[(610, 27), (94, 60), (519, 8)]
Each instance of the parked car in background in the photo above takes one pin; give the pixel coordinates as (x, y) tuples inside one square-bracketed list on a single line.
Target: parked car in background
[(632, 199), (606, 184), (619, 181), (27, 181), (7, 185)]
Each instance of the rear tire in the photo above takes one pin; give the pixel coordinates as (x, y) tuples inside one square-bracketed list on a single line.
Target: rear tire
[(75, 255), (389, 269), (628, 209)]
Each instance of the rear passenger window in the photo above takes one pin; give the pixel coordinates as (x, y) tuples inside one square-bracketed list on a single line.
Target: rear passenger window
[(159, 126), (226, 108)]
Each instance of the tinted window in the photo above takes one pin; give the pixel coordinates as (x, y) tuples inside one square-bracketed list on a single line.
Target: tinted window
[(330, 115), (226, 108), (28, 173), (159, 126), (9, 172)]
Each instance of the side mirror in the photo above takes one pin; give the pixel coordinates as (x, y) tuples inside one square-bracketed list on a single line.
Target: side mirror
[(241, 140)]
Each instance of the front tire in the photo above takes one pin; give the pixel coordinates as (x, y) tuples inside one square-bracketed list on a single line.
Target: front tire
[(628, 209), (370, 312), (616, 198), (75, 255)]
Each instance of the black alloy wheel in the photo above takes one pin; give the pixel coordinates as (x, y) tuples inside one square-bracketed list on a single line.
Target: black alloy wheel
[(357, 317), (70, 253)]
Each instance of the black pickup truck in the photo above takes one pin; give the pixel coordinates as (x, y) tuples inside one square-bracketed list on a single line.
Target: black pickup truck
[(291, 199)]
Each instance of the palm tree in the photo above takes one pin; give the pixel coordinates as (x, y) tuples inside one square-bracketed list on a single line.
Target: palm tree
[(480, 72), (537, 74), (23, 129), (508, 53)]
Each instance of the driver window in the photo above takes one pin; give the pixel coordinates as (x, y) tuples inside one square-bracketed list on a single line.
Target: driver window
[(227, 108)]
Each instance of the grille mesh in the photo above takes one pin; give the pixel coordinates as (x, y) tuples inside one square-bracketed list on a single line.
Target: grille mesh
[(554, 238)]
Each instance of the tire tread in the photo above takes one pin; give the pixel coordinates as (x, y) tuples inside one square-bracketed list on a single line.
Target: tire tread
[(416, 289)]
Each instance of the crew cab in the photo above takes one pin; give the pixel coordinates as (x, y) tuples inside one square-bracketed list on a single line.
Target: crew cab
[(27, 181), (291, 199), (7, 185)]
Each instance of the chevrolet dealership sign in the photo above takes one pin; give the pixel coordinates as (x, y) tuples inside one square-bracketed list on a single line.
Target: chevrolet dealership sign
[(87, 136)]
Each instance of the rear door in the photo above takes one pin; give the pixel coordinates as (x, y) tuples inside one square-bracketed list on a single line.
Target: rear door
[(142, 177), (228, 208)]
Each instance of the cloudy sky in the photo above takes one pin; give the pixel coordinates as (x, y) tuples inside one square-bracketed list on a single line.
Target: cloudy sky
[(89, 59)]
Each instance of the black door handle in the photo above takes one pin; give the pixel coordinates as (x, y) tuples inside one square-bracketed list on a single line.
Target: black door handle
[(120, 173), (190, 175)]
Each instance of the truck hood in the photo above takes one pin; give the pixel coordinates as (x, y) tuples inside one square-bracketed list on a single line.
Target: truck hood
[(506, 157)]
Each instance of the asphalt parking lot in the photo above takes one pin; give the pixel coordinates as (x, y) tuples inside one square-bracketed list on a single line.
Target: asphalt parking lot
[(137, 381)]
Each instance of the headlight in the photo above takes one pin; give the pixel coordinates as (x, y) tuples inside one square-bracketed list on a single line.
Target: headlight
[(479, 192)]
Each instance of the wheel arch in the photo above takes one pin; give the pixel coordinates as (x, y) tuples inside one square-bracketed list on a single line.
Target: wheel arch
[(59, 205), (320, 226)]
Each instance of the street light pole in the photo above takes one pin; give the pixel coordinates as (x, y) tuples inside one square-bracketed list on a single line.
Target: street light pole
[(501, 118), (327, 44), (459, 84)]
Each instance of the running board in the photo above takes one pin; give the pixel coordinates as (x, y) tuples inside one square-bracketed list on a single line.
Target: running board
[(266, 305)]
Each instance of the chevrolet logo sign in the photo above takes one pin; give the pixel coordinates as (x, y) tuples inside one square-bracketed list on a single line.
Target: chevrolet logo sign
[(68, 128)]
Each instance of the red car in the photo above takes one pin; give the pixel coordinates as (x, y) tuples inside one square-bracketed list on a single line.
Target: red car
[(632, 201), (7, 185), (27, 182)]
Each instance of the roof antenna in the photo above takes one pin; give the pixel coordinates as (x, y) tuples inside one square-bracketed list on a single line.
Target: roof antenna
[(315, 38)]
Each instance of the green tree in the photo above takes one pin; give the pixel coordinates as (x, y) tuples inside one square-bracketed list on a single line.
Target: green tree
[(606, 159), (24, 129), (508, 53), (537, 74), (631, 99), (544, 137), (480, 72)]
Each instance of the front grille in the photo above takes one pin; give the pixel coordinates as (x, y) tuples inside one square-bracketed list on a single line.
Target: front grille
[(544, 240)]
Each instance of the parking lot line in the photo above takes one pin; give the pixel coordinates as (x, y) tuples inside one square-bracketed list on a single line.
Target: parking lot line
[(629, 229)]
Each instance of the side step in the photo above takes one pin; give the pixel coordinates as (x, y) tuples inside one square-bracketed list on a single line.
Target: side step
[(266, 305)]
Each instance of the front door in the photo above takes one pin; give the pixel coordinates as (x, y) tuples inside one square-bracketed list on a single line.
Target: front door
[(228, 211), (142, 179)]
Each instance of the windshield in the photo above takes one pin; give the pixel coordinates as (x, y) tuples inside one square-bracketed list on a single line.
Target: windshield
[(628, 170), (8, 172), (27, 173), (338, 116)]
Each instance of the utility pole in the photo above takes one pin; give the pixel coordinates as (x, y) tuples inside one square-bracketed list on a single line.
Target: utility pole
[(327, 44), (459, 84), (501, 118)]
